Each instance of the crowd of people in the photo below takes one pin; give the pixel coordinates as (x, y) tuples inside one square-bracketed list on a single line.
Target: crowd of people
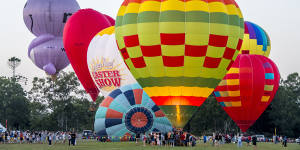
[(171, 139), (41, 137), (177, 138)]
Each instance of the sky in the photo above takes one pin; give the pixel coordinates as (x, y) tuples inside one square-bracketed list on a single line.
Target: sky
[(280, 19)]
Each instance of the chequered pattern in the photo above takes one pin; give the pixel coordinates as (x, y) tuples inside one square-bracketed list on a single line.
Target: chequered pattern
[(256, 40), (248, 88), (174, 46), (179, 42)]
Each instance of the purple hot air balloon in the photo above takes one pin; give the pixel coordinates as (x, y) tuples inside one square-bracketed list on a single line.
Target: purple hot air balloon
[(47, 52), (48, 16)]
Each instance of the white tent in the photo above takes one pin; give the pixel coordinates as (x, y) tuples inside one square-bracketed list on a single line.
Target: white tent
[(2, 129)]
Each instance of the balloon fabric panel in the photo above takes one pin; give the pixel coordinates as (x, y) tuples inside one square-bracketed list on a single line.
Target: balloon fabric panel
[(248, 88), (179, 50), (48, 16)]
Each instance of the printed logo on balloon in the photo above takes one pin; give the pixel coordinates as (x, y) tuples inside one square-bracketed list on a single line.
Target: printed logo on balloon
[(106, 66), (106, 73)]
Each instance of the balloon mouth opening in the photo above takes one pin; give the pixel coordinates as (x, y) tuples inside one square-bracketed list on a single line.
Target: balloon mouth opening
[(54, 77)]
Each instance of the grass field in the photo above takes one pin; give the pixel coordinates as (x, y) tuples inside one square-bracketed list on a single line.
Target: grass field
[(91, 145)]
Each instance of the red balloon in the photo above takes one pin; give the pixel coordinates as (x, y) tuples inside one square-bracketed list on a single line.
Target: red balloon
[(78, 33), (248, 88)]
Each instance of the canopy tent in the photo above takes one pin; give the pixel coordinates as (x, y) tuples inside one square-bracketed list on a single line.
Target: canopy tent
[(2, 128)]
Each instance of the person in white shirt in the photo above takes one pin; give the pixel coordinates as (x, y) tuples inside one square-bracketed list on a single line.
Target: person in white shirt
[(239, 141), (64, 137)]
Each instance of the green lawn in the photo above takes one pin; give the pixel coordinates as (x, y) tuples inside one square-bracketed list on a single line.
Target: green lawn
[(90, 145)]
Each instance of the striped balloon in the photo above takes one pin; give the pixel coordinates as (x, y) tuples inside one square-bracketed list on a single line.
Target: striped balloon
[(256, 40), (128, 111), (248, 89), (179, 50)]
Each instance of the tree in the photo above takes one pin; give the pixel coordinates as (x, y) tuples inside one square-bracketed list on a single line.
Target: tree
[(285, 107), (14, 106), (13, 63), (67, 104)]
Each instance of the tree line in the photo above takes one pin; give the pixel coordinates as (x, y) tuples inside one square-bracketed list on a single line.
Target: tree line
[(62, 105)]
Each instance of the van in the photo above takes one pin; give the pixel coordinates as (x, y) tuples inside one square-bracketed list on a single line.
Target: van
[(260, 138), (87, 134)]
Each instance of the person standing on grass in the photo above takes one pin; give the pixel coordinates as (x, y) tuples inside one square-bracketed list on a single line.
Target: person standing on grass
[(21, 137), (249, 140), (285, 141), (73, 138), (157, 139), (69, 138), (239, 141), (254, 141), (187, 139), (27, 137), (204, 139), (1, 138), (64, 137), (50, 138), (54, 138), (144, 139), (137, 137), (172, 139)]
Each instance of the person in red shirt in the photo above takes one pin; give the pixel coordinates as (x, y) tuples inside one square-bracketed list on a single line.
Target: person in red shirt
[(21, 137), (182, 138), (248, 140)]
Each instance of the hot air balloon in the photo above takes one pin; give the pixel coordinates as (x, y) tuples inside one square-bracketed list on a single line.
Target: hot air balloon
[(248, 88), (47, 52), (79, 31), (106, 65), (128, 111), (179, 51), (48, 16), (256, 40)]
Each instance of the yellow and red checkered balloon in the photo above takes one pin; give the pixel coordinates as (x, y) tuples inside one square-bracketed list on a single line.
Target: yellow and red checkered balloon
[(179, 50)]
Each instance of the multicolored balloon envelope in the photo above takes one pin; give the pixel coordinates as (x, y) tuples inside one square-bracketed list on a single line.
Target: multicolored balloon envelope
[(47, 52), (129, 111), (48, 16), (248, 88), (78, 33), (106, 65), (256, 40), (179, 50)]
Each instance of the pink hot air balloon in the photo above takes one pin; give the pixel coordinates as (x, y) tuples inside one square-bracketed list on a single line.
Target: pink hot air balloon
[(78, 33)]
